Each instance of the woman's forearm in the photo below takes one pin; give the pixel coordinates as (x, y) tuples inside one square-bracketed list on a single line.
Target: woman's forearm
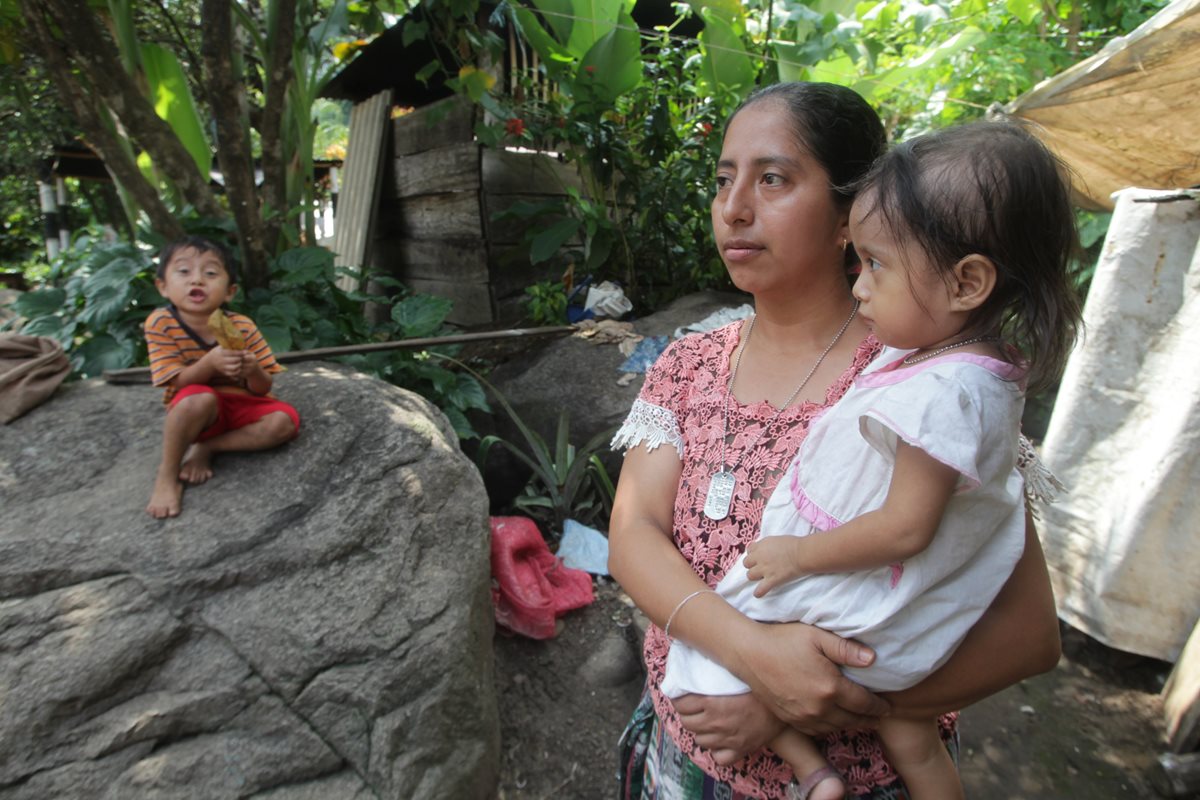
[(1016, 638)]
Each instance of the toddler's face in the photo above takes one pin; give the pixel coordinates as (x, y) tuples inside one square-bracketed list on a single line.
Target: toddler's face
[(196, 282), (903, 298)]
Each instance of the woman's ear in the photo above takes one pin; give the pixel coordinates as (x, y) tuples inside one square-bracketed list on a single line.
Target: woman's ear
[(974, 280)]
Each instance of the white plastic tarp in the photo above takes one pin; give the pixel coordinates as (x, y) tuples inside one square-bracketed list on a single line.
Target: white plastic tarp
[(1129, 115), (1123, 544)]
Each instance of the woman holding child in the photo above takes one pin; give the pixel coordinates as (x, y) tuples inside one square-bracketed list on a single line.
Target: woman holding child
[(732, 407)]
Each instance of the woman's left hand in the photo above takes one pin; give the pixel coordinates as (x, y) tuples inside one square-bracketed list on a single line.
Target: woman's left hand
[(730, 726)]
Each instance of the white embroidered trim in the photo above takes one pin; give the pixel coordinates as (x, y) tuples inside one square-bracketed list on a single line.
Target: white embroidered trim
[(650, 425), (1041, 485)]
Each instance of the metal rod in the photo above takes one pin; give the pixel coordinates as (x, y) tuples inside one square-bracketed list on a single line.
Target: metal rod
[(142, 374)]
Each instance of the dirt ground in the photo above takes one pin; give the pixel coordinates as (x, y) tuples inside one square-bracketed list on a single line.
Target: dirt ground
[(1089, 730)]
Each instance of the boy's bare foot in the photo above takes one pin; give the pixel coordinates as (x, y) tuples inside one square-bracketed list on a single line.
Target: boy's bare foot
[(165, 500), (197, 465), (824, 784)]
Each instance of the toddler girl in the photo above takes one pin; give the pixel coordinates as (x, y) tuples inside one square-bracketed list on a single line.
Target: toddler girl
[(903, 514)]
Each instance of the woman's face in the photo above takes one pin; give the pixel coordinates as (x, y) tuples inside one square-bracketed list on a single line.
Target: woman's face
[(776, 224)]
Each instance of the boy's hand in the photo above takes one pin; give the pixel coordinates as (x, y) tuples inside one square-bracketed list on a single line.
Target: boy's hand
[(772, 561), (228, 363)]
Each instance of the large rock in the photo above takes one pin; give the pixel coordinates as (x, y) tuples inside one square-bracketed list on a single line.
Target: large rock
[(316, 624), (581, 377)]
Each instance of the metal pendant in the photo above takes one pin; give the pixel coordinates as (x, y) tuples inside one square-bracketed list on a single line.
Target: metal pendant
[(720, 495)]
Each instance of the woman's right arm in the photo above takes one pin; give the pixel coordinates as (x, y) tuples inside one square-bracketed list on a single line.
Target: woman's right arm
[(793, 667)]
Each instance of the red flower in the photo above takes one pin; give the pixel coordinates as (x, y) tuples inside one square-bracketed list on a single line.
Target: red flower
[(589, 69), (515, 126), (705, 128)]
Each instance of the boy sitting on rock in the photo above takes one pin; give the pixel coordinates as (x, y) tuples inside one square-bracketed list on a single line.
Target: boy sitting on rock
[(216, 368)]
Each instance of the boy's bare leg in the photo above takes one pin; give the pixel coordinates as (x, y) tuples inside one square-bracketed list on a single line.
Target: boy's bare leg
[(806, 760), (915, 749), (271, 431), (186, 420)]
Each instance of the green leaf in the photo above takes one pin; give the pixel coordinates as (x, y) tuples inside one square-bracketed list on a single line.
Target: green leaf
[(275, 328), (414, 30), (39, 302), (49, 325), (546, 243), (104, 305), (305, 265), (420, 315), (458, 420), (173, 102), (726, 63), (559, 17), (553, 54), (103, 352), (594, 19), (613, 65)]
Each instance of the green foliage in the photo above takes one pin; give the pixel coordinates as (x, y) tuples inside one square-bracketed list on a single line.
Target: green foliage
[(567, 482), (304, 308), (546, 303), (98, 294), (94, 301)]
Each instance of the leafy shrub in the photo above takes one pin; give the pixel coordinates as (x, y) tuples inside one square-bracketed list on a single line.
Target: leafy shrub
[(99, 293)]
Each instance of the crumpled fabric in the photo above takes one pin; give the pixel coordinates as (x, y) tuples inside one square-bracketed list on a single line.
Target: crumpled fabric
[(31, 368), (531, 588)]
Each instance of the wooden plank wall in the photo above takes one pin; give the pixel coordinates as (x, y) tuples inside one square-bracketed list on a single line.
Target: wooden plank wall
[(435, 230)]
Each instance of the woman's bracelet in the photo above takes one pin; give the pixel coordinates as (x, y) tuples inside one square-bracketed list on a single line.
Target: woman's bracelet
[(682, 603)]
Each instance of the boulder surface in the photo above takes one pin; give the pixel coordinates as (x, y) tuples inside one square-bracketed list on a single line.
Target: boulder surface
[(316, 623)]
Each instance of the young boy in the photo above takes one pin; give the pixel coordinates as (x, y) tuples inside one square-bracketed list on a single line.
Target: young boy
[(218, 399)]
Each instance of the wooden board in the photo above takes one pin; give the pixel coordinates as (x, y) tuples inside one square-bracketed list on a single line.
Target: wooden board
[(453, 215), (512, 172), (438, 124), (1181, 698), (454, 168), (460, 260), (472, 301)]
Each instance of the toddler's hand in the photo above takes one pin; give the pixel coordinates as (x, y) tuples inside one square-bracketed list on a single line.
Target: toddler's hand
[(226, 362), (771, 562)]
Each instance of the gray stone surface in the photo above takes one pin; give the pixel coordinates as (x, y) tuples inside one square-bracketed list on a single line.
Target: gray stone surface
[(316, 624), (581, 377)]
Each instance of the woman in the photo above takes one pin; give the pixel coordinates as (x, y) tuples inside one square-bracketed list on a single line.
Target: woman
[(717, 422)]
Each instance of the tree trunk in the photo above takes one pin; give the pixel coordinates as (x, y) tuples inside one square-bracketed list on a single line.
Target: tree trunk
[(279, 66), (90, 116), (96, 55), (233, 146)]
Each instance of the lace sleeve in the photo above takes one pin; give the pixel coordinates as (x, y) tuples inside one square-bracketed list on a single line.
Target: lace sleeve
[(650, 425), (1041, 485)]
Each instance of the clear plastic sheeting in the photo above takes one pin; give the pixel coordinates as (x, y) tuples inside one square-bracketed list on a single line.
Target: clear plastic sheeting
[(1128, 115), (1123, 542)]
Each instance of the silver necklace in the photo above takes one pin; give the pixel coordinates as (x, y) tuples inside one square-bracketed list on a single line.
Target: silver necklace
[(909, 360), (721, 485)]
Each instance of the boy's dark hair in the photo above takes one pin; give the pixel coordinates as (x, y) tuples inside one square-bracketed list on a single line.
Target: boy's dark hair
[(201, 245), (992, 189)]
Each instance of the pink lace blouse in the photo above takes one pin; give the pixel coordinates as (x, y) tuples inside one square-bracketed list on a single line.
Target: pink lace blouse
[(682, 404)]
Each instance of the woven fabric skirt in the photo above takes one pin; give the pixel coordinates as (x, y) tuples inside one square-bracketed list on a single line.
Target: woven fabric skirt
[(652, 767)]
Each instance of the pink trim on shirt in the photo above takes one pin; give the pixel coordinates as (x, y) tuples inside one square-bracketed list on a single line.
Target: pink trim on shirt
[(898, 371), (813, 513)]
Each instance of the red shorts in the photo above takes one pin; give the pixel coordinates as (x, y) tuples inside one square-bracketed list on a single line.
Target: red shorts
[(236, 410)]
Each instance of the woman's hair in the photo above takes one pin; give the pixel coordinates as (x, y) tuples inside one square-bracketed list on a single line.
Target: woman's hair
[(200, 245), (834, 124), (992, 189)]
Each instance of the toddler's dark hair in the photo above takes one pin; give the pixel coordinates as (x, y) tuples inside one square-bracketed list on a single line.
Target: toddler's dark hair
[(992, 189), (201, 245)]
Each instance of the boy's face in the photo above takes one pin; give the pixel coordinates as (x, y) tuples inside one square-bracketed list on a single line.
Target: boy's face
[(196, 282)]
